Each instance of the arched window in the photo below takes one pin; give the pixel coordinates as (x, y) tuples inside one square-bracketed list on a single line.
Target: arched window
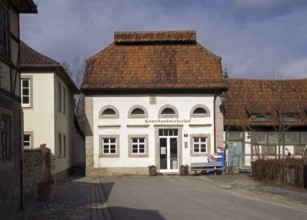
[(108, 112), (168, 111), (137, 111), (199, 111)]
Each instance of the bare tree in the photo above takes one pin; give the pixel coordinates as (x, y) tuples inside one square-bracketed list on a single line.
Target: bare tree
[(75, 69), (76, 72)]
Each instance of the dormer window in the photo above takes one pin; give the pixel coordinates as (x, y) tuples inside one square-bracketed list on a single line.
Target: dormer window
[(260, 118), (290, 117)]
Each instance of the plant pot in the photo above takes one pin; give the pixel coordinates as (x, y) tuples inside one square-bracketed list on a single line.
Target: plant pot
[(183, 170), (44, 190), (152, 171)]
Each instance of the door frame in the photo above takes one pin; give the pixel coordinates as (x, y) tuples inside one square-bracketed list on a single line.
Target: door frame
[(157, 146), (168, 153)]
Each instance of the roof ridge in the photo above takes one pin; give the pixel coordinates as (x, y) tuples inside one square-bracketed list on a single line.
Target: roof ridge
[(154, 36)]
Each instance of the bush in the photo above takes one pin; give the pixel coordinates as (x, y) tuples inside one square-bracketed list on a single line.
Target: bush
[(289, 171)]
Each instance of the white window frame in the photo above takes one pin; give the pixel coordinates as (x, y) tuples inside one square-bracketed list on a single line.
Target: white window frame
[(29, 142), (105, 141), (138, 153), (198, 142), (28, 104)]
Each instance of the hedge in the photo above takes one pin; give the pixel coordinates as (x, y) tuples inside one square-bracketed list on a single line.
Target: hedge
[(289, 171)]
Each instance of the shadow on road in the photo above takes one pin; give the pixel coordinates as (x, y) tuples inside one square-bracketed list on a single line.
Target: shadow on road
[(137, 214)]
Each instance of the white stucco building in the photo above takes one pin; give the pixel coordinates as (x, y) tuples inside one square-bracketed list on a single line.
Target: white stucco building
[(152, 98), (49, 106)]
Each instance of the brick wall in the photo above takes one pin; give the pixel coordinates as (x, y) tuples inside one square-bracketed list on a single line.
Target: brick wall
[(32, 169)]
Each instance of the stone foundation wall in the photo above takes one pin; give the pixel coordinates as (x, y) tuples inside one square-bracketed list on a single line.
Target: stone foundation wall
[(118, 171), (32, 169)]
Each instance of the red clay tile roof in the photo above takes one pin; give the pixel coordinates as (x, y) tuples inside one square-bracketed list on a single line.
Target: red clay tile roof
[(153, 60), (252, 97), (155, 36), (31, 60), (30, 57)]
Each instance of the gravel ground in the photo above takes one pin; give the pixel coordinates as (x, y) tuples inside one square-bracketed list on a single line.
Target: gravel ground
[(245, 184)]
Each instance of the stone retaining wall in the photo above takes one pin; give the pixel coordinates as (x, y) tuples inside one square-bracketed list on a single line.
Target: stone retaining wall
[(32, 169)]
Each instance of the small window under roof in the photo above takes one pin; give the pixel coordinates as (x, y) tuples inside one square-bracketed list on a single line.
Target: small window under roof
[(199, 111), (108, 111), (168, 111), (261, 118), (137, 111)]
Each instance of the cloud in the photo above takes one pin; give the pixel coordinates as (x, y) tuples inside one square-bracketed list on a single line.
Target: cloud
[(255, 38), (263, 9)]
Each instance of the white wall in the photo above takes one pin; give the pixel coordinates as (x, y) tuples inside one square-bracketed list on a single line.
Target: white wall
[(44, 120), (39, 118), (183, 103)]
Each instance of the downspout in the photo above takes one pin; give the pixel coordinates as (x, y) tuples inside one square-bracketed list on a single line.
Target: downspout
[(214, 119)]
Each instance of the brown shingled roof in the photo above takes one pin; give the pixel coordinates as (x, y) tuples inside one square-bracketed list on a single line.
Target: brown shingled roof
[(153, 60), (248, 97)]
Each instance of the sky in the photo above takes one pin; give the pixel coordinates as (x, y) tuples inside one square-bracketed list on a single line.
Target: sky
[(264, 39)]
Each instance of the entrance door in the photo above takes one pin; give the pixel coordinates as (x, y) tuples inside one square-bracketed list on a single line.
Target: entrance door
[(168, 139), (235, 154)]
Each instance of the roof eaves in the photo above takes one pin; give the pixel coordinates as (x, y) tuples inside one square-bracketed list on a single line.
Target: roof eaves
[(25, 6)]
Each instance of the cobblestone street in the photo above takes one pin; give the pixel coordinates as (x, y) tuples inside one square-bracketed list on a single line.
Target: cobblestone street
[(76, 198)]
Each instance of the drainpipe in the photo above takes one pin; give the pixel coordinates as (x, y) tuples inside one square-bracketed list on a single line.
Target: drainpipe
[(214, 119)]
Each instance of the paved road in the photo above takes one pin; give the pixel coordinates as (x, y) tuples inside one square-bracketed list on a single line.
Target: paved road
[(188, 197)]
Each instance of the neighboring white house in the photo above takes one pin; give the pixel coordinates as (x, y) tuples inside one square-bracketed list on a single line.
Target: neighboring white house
[(152, 98), (48, 103)]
